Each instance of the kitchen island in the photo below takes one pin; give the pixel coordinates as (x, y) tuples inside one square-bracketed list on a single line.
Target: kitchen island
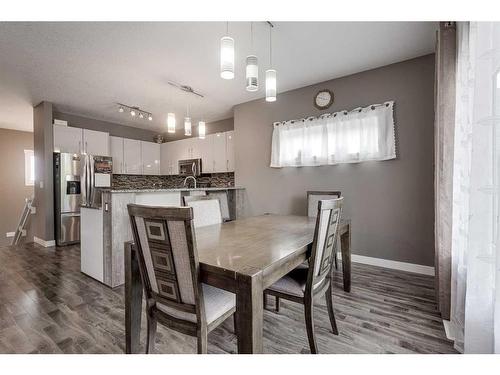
[(108, 228)]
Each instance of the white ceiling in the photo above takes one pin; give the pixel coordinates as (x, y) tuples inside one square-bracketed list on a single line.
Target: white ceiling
[(84, 68)]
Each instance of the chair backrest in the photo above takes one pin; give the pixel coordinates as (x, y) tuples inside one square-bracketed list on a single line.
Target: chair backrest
[(223, 201), (328, 217), (314, 196), (168, 260), (205, 212)]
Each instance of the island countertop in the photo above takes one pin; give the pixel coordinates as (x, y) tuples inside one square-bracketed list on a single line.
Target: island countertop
[(166, 190)]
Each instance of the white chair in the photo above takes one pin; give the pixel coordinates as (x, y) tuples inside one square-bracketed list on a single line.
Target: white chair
[(223, 201), (205, 212)]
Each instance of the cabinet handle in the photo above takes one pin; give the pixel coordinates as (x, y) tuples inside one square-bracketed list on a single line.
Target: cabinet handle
[(86, 147), (79, 147), (227, 165)]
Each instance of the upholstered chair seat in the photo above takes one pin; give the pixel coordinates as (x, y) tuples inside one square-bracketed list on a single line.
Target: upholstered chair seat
[(218, 302), (293, 283)]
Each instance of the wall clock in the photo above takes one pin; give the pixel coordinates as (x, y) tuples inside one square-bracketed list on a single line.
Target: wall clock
[(323, 99)]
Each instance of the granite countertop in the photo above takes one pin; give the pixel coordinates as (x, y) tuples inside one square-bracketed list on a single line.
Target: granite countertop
[(174, 189)]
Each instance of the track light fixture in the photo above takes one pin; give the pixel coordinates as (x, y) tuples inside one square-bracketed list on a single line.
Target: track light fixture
[(135, 111)]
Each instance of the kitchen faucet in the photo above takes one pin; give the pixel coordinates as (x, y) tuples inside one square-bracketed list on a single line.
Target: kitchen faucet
[(185, 180)]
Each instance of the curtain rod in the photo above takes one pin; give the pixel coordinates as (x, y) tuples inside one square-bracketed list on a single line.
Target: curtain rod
[(334, 114)]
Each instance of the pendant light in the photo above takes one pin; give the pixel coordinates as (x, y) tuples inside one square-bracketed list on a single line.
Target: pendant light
[(270, 73), (227, 55), (171, 122), (201, 129), (252, 68), (187, 123)]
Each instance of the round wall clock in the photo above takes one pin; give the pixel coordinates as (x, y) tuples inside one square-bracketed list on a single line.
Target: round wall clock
[(323, 99)]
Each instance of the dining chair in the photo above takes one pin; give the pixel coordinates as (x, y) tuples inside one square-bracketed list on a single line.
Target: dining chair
[(312, 210), (169, 268), (206, 212), (220, 195), (304, 284), (223, 201)]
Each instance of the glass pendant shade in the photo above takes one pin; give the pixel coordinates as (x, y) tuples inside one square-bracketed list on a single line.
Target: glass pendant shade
[(171, 122), (227, 57), (270, 85), (187, 126), (201, 129), (252, 73)]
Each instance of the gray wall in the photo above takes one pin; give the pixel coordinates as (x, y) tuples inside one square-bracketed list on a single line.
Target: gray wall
[(13, 190), (390, 202), (43, 138), (112, 128)]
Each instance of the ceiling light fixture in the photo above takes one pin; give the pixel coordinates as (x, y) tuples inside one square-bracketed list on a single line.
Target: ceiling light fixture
[(187, 123), (252, 68), (171, 122), (227, 55), (134, 111), (270, 73), (201, 129)]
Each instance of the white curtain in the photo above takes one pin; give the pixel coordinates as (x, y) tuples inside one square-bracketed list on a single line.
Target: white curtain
[(342, 137), (475, 294)]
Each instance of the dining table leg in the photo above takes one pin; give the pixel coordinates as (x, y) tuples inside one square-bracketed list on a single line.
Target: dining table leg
[(249, 312), (345, 248), (133, 300)]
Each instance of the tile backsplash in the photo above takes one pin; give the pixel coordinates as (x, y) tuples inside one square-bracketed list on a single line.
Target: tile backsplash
[(127, 181)]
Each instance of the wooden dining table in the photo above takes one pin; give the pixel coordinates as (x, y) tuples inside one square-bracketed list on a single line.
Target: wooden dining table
[(245, 257)]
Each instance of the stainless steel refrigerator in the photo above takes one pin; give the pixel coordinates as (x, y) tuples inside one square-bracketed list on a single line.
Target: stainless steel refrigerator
[(96, 175), (67, 197)]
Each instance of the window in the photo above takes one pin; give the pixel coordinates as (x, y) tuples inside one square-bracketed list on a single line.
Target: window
[(343, 137), (29, 168)]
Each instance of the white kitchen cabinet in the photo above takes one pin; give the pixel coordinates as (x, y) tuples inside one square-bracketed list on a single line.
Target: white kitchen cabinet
[(219, 152), (95, 142), (230, 150), (205, 151), (150, 155), (116, 146), (67, 139), (168, 164), (132, 161)]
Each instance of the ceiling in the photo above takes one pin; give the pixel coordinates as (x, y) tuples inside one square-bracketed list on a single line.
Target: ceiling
[(86, 67)]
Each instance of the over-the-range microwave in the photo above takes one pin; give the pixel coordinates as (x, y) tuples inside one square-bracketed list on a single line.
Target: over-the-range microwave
[(190, 167)]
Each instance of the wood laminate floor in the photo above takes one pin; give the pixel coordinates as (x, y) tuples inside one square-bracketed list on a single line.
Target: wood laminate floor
[(48, 306)]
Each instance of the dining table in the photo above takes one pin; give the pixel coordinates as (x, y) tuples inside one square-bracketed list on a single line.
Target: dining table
[(244, 256)]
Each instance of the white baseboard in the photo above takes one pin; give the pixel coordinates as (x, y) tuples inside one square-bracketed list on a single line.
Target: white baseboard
[(43, 242), (12, 234), (393, 264)]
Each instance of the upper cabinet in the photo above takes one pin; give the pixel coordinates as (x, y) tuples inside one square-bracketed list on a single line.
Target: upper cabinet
[(96, 143), (150, 155), (77, 141), (219, 152), (132, 158), (116, 146), (230, 151), (67, 139), (216, 152)]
